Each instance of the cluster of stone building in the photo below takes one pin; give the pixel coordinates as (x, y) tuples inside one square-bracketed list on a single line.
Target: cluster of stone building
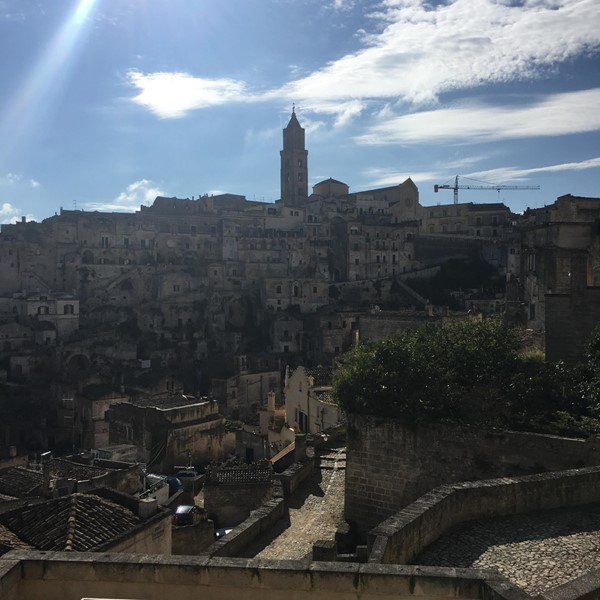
[(215, 295)]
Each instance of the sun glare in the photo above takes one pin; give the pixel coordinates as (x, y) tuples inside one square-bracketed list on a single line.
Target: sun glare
[(42, 87)]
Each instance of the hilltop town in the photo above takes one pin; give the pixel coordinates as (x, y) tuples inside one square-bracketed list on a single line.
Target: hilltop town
[(189, 347), (215, 295)]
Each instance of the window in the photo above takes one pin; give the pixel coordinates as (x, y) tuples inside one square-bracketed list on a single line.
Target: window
[(278, 289), (356, 261), (299, 162), (176, 288), (143, 243), (314, 289), (42, 310), (299, 176), (68, 309), (126, 242), (532, 312), (104, 242)]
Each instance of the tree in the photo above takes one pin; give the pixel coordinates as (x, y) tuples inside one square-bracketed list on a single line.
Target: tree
[(453, 371)]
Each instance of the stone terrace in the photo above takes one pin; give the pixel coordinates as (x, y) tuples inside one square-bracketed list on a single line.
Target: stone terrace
[(536, 551)]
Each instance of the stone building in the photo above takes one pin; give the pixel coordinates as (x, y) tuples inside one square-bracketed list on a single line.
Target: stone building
[(171, 430), (550, 238), (244, 390), (308, 404)]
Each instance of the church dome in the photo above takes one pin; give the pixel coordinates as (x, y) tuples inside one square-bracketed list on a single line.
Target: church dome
[(331, 188)]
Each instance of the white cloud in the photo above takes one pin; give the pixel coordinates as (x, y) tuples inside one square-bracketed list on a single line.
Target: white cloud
[(344, 5), (515, 173), (413, 53), (172, 95), (13, 179), (9, 179), (558, 114), (11, 214), (500, 175), (423, 51), (135, 194)]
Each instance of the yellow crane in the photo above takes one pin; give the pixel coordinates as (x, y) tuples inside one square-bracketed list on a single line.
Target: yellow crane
[(490, 186)]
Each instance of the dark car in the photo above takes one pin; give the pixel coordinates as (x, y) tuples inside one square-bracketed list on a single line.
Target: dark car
[(187, 514)]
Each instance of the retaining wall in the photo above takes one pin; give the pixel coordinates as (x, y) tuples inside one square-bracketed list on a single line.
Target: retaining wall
[(294, 475), (403, 536), (255, 525), (389, 464)]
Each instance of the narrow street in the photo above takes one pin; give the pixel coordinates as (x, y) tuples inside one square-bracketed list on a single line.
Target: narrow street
[(315, 511)]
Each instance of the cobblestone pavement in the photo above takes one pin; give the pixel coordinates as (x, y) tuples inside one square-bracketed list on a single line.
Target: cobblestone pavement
[(536, 551), (315, 511)]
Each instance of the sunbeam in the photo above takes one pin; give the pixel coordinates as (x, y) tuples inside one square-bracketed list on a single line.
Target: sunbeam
[(41, 88)]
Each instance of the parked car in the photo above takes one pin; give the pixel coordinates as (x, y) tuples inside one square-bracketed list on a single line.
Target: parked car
[(188, 514), (222, 532)]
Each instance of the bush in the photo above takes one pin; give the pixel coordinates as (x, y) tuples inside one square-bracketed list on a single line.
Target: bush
[(470, 372), (445, 372)]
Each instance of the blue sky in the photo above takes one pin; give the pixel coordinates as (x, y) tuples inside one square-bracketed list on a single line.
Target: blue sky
[(105, 104)]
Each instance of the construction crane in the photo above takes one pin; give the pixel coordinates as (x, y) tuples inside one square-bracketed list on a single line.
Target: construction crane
[(498, 188)]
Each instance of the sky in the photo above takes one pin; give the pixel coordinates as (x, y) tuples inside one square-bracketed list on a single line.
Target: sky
[(105, 104)]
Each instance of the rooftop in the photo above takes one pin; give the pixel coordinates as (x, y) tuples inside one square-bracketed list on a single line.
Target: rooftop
[(19, 482), (166, 402), (80, 522)]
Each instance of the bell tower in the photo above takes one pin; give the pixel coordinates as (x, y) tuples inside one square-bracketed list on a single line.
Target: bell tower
[(294, 163)]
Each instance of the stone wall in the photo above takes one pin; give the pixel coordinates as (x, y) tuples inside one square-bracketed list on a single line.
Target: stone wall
[(403, 536), (230, 504), (193, 539), (72, 576), (294, 475), (259, 521), (151, 537), (389, 464)]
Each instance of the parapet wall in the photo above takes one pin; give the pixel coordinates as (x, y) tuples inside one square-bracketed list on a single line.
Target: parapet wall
[(259, 521), (72, 576), (389, 464), (402, 537)]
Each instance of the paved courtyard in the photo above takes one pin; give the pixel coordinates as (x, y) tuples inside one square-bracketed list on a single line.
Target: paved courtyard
[(536, 551)]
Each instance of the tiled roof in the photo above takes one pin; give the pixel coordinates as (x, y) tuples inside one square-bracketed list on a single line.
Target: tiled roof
[(19, 482), (324, 397), (322, 376), (79, 522), (10, 541), (173, 401), (61, 468)]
